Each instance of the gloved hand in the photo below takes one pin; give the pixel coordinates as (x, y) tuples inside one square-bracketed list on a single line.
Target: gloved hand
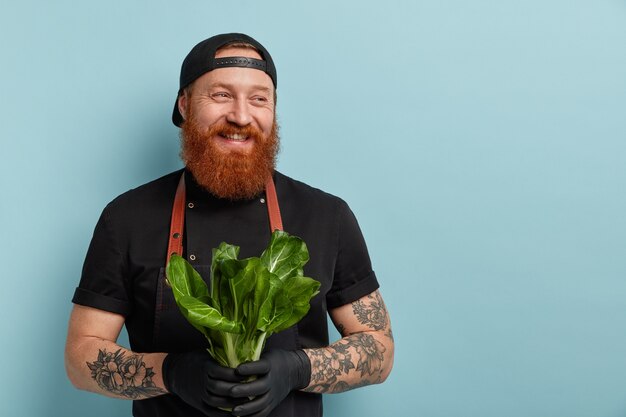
[(278, 373), (201, 382)]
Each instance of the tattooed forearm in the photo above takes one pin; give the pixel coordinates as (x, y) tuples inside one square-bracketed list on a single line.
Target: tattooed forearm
[(365, 354), (124, 376), (349, 363), (371, 312)]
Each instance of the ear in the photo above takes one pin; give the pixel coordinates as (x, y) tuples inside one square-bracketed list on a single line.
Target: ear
[(183, 102)]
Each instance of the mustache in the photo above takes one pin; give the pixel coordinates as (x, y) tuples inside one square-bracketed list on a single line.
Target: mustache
[(227, 128)]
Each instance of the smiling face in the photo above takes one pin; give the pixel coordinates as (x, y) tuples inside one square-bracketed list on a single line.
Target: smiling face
[(232, 97), (229, 136)]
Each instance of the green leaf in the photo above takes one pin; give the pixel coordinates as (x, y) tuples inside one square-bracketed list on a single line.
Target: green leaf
[(254, 304), (231, 267), (265, 297), (183, 279), (299, 291), (201, 314), (285, 256), (241, 278), (192, 297), (223, 252), (281, 312)]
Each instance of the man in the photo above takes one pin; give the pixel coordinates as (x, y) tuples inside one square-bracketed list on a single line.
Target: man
[(226, 110)]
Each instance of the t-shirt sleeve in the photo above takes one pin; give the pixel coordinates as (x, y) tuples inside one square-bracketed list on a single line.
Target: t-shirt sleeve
[(354, 277), (103, 284)]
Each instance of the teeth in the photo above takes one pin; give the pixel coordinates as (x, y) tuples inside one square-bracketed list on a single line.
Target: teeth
[(237, 137)]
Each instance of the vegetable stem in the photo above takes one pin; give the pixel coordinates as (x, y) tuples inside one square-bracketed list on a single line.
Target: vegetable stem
[(231, 352), (259, 347)]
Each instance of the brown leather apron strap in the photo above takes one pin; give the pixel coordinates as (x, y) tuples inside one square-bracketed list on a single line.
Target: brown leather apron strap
[(177, 224), (273, 210), (175, 245)]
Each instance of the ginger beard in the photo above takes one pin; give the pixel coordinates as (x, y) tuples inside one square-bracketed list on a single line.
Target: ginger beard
[(229, 174)]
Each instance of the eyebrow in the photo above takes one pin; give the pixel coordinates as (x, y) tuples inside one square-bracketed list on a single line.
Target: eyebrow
[(230, 86)]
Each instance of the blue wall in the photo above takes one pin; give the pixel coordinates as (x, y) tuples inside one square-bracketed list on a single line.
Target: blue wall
[(481, 144)]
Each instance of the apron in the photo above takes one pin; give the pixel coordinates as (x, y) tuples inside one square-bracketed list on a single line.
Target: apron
[(184, 337), (167, 315)]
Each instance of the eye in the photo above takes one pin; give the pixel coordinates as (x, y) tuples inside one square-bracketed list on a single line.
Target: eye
[(260, 99), (220, 95)]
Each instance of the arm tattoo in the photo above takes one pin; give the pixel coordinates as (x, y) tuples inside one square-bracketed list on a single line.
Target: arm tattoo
[(370, 353), (360, 353), (125, 376), (371, 312), (360, 358)]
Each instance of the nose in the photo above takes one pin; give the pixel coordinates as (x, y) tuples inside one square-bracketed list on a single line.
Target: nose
[(239, 113)]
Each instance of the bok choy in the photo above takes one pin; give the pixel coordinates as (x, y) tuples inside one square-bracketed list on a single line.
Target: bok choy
[(248, 300)]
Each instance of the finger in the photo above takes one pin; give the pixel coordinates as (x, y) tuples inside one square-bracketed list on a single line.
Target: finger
[(259, 367), (258, 405), (250, 389), (221, 388), (224, 374)]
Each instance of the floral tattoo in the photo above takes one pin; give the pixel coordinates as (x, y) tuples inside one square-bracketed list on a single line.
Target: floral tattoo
[(327, 365), (359, 358), (372, 312), (370, 353), (125, 376)]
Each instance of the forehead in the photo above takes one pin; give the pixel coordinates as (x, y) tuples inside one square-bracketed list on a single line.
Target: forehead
[(236, 76)]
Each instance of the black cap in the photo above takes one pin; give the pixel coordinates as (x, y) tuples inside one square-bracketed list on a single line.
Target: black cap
[(201, 59)]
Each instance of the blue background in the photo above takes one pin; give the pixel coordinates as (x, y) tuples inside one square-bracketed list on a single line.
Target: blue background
[(481, 145)]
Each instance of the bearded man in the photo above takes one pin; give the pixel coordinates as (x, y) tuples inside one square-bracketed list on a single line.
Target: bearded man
[(227, 191)]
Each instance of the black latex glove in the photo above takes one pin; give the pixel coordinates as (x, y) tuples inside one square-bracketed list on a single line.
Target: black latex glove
[(201, 382), (278, 372)]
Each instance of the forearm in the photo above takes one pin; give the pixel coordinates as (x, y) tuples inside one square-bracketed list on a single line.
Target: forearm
[(354, 361), (102, 366)]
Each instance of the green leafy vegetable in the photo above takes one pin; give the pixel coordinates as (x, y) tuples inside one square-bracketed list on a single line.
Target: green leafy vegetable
[(248, 299)]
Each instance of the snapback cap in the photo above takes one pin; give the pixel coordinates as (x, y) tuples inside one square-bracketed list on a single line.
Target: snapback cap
[(201, 59)]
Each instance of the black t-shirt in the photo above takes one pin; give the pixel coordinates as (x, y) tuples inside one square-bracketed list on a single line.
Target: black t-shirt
[(124, 268)]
